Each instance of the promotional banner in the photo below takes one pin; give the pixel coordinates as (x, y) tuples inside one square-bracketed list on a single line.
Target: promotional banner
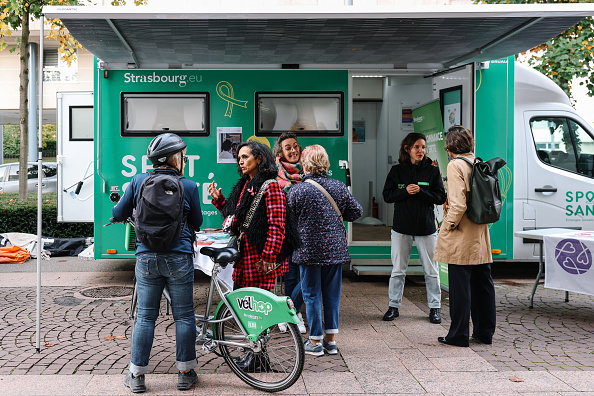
[(428, 121), (568, 262)]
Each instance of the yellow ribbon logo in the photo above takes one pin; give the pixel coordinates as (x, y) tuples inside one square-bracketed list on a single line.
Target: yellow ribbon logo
[(228, 96)]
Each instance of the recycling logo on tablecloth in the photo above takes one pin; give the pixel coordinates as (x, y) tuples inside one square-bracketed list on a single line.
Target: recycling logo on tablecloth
[(573, 256)]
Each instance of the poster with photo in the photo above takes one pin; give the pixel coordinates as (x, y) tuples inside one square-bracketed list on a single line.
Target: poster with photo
[(358, 131), (451, 106), (406, 123), (228, 138)]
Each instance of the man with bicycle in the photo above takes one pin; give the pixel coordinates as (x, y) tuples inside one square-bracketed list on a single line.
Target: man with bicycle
[(157, 269)]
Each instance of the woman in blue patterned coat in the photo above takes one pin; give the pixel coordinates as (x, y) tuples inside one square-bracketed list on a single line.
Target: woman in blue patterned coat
[(324, 246)]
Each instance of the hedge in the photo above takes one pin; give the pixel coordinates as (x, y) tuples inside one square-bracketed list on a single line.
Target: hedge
[(12, 140), (21, 216)]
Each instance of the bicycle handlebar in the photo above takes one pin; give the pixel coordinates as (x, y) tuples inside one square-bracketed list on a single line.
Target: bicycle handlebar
[(113, 220)]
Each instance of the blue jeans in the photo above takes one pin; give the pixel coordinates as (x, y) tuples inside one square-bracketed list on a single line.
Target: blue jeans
[(321, 284), (401, 249), (154, 271), (293, 285)]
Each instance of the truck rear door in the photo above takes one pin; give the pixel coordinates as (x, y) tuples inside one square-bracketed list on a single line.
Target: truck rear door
[(75, 128)]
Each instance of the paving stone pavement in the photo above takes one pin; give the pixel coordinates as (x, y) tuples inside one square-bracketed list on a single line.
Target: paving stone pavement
[(83, 335), (548, 348), (552, 336)]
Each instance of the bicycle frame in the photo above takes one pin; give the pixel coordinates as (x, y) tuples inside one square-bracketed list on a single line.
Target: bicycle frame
[(252, 308)]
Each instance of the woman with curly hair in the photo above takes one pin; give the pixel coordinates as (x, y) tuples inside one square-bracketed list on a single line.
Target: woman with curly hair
[(261, 257)]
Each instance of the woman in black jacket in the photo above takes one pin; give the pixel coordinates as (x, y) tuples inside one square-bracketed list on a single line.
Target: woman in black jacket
[(414, 186)]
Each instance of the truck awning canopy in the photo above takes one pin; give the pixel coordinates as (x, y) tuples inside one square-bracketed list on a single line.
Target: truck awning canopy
[(393, 37)]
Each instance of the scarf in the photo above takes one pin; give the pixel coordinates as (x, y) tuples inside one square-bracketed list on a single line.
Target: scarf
[(288, 174)]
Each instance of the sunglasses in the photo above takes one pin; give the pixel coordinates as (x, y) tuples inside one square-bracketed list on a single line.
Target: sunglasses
[(185, 159)]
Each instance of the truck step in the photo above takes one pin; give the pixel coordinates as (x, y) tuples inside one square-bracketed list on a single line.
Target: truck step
[(361, 269)]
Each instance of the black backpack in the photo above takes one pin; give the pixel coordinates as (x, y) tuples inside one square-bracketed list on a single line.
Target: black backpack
[(160, 211), (484, 205)]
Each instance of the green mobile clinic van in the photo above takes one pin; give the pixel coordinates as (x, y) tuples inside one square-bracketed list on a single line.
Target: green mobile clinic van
[(355, 80)]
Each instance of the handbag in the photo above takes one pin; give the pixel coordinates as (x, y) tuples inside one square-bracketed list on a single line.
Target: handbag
[(233, 242), (227, 223), (332, 202)]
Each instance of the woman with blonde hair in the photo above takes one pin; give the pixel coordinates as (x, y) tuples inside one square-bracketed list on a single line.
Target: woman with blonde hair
[(324, 246)]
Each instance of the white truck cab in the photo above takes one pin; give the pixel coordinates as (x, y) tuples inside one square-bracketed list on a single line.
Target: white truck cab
[(554, 160)]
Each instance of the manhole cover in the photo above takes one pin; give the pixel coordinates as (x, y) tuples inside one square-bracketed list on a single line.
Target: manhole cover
[(108, 292)]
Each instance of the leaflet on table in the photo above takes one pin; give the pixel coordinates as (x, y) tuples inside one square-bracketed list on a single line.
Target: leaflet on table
[(208, 238)]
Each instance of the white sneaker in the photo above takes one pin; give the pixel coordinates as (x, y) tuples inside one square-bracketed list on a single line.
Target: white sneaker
[(301, 324), (282, 327)]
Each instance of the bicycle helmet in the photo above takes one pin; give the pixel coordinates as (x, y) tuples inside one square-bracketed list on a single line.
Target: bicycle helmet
[(163, 146)]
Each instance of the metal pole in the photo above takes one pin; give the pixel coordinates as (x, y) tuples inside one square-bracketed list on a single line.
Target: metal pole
[(33, 102), (1, 144), (39, 181)]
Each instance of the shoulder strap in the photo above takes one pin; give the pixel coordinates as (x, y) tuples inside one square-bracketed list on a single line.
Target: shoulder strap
[(255, 203), (467, 160), (328, 196)]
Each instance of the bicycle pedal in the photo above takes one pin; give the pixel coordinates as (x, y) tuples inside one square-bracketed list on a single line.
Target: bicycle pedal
[(210, 346), (201, 340)]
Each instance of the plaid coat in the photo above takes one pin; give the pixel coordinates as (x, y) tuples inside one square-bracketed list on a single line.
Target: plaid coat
[(245, 273)]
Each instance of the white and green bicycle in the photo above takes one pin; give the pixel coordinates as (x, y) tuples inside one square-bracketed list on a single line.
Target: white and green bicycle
[(245, 330)]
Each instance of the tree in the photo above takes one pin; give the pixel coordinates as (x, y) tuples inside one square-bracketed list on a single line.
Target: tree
[(567, 56), (18, 14)]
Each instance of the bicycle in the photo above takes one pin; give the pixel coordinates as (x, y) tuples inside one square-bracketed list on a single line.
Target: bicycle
[(245, 329)]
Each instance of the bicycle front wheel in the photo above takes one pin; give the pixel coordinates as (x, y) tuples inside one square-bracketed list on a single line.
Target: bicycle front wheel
[(274, 365)]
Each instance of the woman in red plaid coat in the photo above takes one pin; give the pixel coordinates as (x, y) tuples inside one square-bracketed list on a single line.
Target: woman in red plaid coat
[(263, 257)]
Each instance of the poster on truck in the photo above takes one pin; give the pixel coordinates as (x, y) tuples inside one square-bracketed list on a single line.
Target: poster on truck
[(427, 120)]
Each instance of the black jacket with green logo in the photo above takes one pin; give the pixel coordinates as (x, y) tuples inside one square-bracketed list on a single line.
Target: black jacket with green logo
[(414, 214)]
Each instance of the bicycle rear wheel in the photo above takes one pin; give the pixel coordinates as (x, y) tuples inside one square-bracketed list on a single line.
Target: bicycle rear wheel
[(274, 366)]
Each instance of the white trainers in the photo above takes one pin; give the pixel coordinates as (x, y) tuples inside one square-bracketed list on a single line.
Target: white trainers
[(282, 327), (301, 324)]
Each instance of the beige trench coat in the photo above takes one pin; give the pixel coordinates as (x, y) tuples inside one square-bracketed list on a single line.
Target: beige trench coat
[(460, 241)]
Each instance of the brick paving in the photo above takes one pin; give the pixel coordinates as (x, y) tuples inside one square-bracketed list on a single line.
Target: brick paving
[(554, 335), (83, 335)]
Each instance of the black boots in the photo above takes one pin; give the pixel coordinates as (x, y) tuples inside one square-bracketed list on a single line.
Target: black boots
[(391, 314), (443, 340), (434, 316)]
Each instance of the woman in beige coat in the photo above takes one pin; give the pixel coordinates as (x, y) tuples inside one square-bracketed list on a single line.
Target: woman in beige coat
[(466, 247)]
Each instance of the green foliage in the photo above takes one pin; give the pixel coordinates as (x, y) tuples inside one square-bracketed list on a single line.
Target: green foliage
[(12, 140), (21, 216), (12, 13), (567, 56)]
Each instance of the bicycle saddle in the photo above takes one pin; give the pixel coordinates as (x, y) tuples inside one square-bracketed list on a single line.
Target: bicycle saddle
[(220, 255)]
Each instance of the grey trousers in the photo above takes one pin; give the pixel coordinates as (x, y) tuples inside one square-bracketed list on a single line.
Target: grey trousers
[(401, 249)]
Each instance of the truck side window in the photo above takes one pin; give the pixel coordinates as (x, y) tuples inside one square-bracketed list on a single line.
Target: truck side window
[(584, 147), (152, 113), (306, 113), (563, 143)]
